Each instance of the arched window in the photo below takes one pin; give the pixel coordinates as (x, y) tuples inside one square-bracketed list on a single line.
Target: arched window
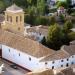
[(16, 18), (9, 50), (61, 65), (18, 28), (52, 67), (67, 65), (29, 59), (20, 18), (67, 59), (19, 54), (10, 18)]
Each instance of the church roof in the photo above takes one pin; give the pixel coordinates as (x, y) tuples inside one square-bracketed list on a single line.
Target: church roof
[(24, 44), (14, 7)]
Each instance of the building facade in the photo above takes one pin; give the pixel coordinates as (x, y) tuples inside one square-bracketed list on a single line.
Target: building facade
[(14, 19)]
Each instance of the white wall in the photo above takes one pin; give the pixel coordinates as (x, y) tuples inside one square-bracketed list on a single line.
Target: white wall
[(22, 60), (58, 63)]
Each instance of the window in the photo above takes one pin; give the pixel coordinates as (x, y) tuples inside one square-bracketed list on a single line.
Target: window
[(10, 19), (20, 18), (67, 65), (72, 56), (45, 63), (67, 59), (52, 67), (61, 65), (72, 63), (17, 19), (62, 60), (19, 54), (9, 50), (18, 28), (53, 62), (29, 58)]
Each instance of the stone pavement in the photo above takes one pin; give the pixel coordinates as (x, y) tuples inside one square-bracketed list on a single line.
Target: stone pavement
[(10, 71)]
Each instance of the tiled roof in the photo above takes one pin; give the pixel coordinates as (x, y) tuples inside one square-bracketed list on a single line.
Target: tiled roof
[(69, 49), (14, 8), (24, 44), (39, 29), (56, 56), (68, 71), (72, 42)]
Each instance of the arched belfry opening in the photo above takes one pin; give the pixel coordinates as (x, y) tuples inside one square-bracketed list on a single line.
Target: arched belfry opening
[(14, 19)]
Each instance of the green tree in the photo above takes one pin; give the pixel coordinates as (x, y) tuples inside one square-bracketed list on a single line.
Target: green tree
[(52, 20), (2, 6), (69, 2), (71, 36), (41, 7), (62, 18), (67, 26), (61, 3), (54, 37)]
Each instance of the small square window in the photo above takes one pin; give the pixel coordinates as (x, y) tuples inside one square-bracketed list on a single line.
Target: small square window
[(29, 58), (19, 54), (72, 63), (67, 65), (62, 60), (72, 56), (67, 59), (9, 50), (45, 63), (61, 65), (52, 67)]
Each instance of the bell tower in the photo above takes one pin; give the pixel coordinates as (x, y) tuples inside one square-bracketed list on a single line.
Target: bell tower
[(14, 19)]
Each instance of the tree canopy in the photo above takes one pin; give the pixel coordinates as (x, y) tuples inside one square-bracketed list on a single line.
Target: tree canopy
[(67, 26), (54, 36)]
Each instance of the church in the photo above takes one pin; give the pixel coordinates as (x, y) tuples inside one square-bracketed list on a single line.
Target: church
[(25, 52)]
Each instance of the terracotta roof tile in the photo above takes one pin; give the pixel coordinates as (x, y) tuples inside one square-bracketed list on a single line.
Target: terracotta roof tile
[(14, 7), (56, 56), (24, 44), (69, 49)]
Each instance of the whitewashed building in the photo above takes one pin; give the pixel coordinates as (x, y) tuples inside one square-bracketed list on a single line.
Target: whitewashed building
[(32, 55)]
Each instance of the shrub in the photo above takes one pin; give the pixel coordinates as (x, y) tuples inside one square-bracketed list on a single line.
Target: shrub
[(62, 18), (71, 36)]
